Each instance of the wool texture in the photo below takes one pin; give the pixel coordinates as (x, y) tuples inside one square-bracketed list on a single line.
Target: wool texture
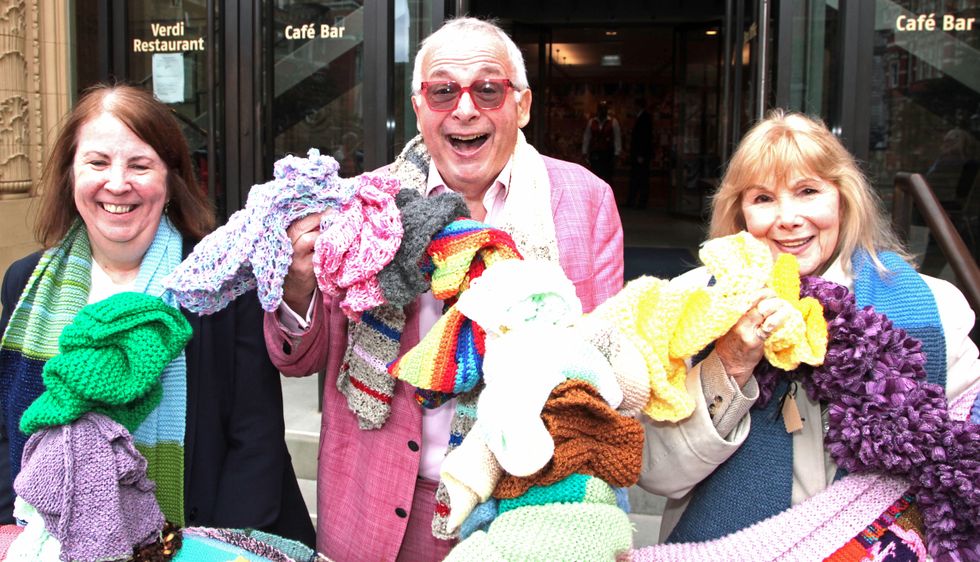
[(519, 294), (251, 543), (574, 488), (628, 364), (363, 378), (511, 405), (811, 530), (356, 242), (469, 473), (88, 482), (885, 421), (449, 358), (802, 338), (884, 415), (111, 359), (896, 533), (903, 296), (8, 534), (590, 438), (34, 543), (252, 250), (669, 324), (402, 280), (57, 290), (528, 219), (461, 252), (480, 518), (559, 531)]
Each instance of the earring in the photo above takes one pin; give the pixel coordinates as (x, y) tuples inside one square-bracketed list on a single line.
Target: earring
[(166, 207)]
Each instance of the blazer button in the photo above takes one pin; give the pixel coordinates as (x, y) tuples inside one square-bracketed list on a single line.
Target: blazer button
[(401, 512), (192, 514), (413, 446), (287, 348)]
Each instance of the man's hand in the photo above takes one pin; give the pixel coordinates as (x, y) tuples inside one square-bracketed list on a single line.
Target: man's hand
[(299, 284)]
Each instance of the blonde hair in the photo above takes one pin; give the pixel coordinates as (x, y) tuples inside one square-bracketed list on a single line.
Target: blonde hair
[(787, 143)]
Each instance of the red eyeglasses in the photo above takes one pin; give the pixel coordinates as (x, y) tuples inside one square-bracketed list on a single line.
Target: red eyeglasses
[(488, 93)]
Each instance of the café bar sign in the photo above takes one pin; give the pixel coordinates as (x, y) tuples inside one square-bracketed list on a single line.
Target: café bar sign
[(929, 22), (168, 39)]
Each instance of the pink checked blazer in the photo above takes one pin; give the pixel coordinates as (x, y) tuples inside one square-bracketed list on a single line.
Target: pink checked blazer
[(364, 476)]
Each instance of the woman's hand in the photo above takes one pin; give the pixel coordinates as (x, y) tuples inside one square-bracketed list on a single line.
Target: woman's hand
[(299, 284), (741, 349)]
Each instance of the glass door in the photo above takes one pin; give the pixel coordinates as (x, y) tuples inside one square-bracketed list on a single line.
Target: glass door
[(313, 80), (166, 48)]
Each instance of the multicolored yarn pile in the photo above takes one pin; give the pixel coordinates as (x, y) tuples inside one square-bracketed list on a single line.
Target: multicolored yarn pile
[(884, 417), (587, 371), (86, 491), (449, 358), (253, 250)]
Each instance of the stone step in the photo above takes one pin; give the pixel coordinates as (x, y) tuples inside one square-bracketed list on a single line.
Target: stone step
[(303, 448)]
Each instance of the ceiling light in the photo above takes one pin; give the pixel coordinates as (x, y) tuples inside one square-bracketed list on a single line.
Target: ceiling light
[(612, 33), (711, 32), (611, 60)]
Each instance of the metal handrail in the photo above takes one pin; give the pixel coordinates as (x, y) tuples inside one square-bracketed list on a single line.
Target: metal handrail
[(913, 188)]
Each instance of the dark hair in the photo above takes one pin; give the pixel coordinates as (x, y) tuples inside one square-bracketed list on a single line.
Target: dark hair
[(151, 121)]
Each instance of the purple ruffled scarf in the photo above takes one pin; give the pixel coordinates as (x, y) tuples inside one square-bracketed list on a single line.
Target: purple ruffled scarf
[(884, 416)]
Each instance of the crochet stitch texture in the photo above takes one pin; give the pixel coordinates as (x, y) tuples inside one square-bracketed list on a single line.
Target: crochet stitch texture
[(252, 249), (402, 280), (356, 242), (111, 359)]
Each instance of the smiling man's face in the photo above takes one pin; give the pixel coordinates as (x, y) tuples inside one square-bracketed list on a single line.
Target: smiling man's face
[(469, 145)]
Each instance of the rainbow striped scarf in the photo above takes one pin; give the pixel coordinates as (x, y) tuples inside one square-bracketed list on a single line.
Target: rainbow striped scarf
[(57, 289)]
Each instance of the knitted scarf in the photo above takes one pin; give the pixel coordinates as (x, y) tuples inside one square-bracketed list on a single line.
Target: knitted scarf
[(57, 289), (863, 344), (529, 221)]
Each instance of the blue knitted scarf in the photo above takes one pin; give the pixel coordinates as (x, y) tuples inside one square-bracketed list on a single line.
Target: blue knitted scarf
[(57, 289), (756, 482)]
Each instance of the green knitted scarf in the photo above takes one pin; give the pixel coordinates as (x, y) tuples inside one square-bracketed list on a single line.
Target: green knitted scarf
[(55, 293)]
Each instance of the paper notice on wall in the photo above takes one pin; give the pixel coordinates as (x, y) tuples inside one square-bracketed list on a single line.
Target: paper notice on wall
[(168, 77)]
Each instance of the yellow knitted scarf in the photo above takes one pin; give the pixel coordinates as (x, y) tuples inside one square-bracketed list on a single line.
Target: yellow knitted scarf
[(668, 323)]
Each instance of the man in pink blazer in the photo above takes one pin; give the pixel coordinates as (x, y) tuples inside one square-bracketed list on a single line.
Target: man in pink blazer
[(376, 488)]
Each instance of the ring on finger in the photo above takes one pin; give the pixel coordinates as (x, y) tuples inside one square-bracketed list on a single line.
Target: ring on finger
[(762, 333)]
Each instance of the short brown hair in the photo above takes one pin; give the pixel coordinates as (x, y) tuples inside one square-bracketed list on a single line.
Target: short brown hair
[(787, 142), (151, 121)]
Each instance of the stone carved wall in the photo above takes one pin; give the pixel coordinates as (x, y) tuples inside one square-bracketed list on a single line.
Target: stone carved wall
[(34, 92), (15, 172)]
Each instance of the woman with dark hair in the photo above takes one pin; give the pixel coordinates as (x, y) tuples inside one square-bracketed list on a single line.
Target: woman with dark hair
[(120, 208)]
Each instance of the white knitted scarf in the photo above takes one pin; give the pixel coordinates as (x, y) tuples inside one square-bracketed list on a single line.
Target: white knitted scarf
[(527, 217)]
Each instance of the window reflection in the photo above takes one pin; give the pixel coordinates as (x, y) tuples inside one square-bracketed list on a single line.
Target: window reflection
[(317, 77), (925, 114)]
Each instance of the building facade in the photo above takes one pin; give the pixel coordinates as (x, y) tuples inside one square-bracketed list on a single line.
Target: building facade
[(254, 80)]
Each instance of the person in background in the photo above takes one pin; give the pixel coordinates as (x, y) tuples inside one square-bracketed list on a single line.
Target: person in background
[(377, 487), (792, 185), (120, 208), (641, 149), (601, 143)]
